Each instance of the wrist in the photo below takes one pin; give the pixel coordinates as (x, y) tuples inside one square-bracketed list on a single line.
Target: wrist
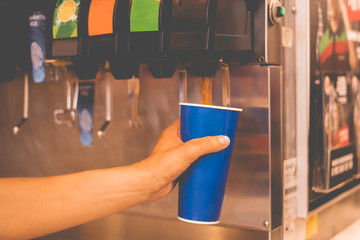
[(151, 182)]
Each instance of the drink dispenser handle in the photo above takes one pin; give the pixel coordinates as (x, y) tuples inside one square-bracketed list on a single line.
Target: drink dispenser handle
[(108, 101), (71, 104), (16, 129), (225, 83), (76, 95), (60, 112), (134, 92), (68, 109), (183, 84)]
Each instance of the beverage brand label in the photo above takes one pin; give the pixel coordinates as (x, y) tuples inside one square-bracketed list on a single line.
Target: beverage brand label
[(144, 16), (101, 17), (66, 19), (37, 29), (85, 111)]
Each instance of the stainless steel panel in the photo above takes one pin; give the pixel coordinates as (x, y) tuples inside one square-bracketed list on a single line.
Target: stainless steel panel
[(288, 73), (247, 201), (132, 227), (276, 234), (273, 42), (289, 134), (267, 37), (43, 148), (254, 190), (276, 152)]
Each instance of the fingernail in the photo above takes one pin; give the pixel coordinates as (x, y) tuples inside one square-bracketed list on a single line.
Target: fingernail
[(225, 140)]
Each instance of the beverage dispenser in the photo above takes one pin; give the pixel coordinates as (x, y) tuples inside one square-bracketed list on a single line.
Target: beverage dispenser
[(149, 35), (241, 32), (208, 35), (108, 36), (107, 42), (240, 37), (69, 36), (192, 34), (243, 38)]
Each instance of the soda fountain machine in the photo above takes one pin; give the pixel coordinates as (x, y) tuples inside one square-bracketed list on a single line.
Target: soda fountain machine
[(204, 36), (237, 43), (149, 35), (290, 164)]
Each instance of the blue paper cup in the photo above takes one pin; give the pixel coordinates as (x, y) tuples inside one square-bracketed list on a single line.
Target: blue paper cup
[(202, 186)]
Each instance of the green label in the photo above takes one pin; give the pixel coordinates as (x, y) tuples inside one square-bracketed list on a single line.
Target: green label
[(65, 19), (144, 15)]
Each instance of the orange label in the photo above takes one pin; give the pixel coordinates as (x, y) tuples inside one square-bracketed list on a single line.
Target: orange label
[(101, 16)]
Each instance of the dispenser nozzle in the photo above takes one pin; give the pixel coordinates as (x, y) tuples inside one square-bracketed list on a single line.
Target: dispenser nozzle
[(183, 84), (16, 129), (134, 91), (225, 83), (70, 108), (108, 95)]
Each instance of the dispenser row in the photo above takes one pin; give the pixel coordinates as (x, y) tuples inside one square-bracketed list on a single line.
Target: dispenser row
[(162, 33)]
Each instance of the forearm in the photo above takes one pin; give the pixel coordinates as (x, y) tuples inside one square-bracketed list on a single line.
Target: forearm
[(33, 207)]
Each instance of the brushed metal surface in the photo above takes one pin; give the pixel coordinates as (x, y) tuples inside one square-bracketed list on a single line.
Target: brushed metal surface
[(43, 148), (288, 72), (132, 227), (276, 152)]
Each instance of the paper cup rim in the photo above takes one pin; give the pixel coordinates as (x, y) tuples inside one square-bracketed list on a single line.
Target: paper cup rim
[(211, 106), (197, 222)]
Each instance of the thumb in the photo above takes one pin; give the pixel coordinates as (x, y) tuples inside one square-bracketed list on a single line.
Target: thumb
[(187, 153), (196, 148)]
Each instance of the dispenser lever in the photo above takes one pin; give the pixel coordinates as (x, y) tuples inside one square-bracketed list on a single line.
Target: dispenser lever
[(225, 84), (62, 112), (101, 132), (70, 108), (183, 84), (134, 90), (76, 95), (16, 129), (108, 96)]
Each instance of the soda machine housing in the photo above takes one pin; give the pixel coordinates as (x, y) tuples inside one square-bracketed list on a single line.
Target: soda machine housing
[(202, 37), (264, 56)]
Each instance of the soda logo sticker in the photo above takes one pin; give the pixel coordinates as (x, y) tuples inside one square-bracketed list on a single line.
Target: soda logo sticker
[(85, 121), (37, 28), (37, 56), (33, 24), (101, 17), (38, 62), (37, 17), (85, 109), (65, 19), (144, 16), (66, 11)]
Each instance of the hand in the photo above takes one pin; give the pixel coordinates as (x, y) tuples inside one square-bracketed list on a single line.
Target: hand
[(171, 157)]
